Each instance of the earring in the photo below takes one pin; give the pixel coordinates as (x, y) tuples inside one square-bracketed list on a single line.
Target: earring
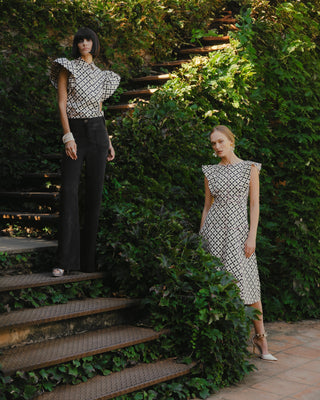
[(215, 155)]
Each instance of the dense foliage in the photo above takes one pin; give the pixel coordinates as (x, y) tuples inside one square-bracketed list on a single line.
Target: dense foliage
[(266, 88), (34, 32)]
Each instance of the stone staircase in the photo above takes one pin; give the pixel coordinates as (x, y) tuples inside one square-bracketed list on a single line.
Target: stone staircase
[(162, 72), (32, 339)]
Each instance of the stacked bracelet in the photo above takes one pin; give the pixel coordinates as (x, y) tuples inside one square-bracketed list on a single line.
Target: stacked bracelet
[(67, 137)]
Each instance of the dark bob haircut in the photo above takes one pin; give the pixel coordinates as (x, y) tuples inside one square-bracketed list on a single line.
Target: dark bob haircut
[(89, 34)]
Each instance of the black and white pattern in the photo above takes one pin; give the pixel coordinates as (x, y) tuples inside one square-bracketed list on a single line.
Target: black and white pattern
[(88, 86), (226, 228)]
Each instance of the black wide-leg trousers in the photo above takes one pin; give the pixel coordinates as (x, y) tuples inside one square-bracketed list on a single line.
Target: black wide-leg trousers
[(77, 245)]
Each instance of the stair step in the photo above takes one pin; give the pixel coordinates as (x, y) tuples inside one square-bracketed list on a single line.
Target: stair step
[(122, 107), (170, 64), (53, 156), (57, 351), (139, 93), (227, 19), (153, 78), (13, 245), (43, 175), (120, 383), (18, 282), (34, 217), (31, 195), (215, 39), (60, 312), (204, 49)]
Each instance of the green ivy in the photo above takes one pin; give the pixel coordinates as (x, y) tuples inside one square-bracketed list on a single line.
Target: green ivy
[(26, 385), (37, 31), (58, 294)]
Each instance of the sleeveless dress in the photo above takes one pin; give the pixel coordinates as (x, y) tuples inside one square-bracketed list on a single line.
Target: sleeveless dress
[(226, 227)]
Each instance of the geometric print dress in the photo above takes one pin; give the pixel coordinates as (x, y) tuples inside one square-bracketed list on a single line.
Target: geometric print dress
[(226, 227)]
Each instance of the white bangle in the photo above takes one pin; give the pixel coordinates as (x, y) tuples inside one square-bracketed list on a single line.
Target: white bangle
[(67, 137)]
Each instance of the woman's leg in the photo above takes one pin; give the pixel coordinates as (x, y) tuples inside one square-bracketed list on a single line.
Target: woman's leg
[(96, 159), (69, 232), (259, 328)]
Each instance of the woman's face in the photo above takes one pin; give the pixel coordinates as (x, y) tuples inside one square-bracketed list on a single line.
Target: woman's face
[(85, 46), (221, 144)]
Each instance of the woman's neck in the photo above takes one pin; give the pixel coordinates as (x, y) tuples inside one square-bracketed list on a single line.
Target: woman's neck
[(87, 58), (230, 159)]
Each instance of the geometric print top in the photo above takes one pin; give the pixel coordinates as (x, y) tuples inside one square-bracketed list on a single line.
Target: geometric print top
[(226, 227), (88, 86)]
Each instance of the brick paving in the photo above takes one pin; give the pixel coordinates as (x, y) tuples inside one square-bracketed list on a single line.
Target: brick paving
[(296, 374)]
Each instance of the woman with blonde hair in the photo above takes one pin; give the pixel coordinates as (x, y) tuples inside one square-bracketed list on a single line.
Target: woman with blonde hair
[(224, 223)]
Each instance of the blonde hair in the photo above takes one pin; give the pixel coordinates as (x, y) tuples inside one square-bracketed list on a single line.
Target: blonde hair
[(225, 131)]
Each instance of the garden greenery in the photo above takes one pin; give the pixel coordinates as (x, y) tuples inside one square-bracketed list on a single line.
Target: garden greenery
[(34, 32)]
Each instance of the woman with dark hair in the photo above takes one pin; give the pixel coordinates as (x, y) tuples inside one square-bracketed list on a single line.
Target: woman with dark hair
[(224, 223), (82, 88)]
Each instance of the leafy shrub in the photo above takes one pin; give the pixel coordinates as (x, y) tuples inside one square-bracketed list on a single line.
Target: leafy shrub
[(36, 32)]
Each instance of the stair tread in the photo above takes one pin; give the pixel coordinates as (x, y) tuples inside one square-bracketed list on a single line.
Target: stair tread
[(11, 245), (204, 49), (44, 279), (56, 351), (215, 38), (160, 77), (138, 92), (23, 214), (43, 175), (59, 312), (120, 383), (174, 63), (122, 107), (29, 194)]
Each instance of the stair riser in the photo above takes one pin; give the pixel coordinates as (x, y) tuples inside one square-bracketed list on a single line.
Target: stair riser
[(39, 333)]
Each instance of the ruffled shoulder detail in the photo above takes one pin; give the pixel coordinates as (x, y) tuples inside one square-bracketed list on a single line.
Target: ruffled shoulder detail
[(111, 82), (56, 67), (207, 170), (256, 164)]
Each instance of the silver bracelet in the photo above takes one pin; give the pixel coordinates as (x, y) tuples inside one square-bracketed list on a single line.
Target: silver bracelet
[(67, 137)]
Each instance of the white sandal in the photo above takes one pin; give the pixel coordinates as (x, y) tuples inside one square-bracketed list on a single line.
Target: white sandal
[(267, 357), (57, 272)]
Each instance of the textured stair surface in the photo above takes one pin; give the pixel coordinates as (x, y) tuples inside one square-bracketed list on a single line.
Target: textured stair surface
[(204, 49), (11, 245), (120, 383), (56, 351), (171, 64), (72, 309), (31, 195), (215, 39), (139, 93), (122, 107), (43, 279), (153, 78)]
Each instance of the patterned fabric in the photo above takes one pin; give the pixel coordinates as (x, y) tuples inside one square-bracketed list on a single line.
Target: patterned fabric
[(226, 228), (88, 86)]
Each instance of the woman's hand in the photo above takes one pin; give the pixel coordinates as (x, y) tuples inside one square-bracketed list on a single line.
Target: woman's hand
[(71, 149), (249, 246), (111, 153)]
